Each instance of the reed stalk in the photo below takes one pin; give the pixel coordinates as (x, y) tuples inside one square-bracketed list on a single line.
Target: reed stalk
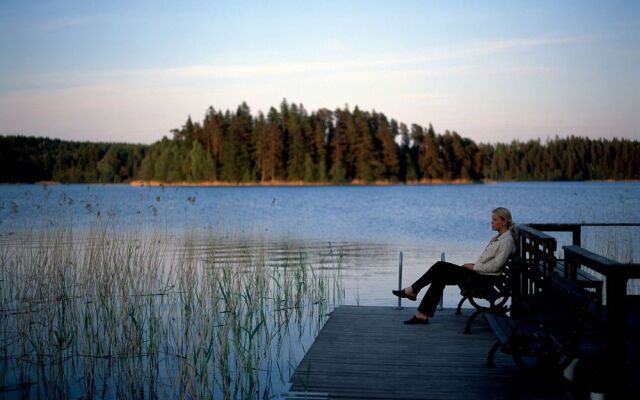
[(107, 313)]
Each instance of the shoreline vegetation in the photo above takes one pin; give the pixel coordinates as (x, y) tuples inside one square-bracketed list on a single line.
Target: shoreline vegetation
[(422, 182), (137, 313), (290, 146), (141, 183)]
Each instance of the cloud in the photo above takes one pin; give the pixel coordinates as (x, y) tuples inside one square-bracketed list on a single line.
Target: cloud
[(503, 46), (71, 22), (438, 62), (101, 112), (145, 103), (384, 63)]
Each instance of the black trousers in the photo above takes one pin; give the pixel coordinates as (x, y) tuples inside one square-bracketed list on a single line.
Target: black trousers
[(437, 277)]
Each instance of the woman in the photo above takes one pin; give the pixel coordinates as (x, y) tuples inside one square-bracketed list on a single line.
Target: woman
[(443, 273)]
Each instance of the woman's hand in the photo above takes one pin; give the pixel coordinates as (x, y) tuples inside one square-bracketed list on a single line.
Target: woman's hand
[(468, 266)]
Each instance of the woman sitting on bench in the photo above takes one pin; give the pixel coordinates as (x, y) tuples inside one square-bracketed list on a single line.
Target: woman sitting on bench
[(443, 273)]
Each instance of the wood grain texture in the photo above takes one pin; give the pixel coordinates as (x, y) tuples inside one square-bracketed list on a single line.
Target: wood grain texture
[(368, 353)]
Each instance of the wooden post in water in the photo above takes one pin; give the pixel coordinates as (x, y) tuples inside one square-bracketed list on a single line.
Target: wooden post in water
[(441, 305), (400, 282)]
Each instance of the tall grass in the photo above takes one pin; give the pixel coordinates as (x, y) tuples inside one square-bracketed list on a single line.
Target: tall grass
[(619, 243), (142, 314)]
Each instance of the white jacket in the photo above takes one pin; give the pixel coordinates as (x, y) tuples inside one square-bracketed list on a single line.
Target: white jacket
[(495, 255)]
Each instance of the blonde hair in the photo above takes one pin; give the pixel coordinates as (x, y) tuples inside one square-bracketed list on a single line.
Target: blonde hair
[(505, 214)]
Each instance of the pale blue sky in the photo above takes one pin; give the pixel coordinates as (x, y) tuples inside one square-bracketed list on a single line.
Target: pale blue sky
[(492, 71)]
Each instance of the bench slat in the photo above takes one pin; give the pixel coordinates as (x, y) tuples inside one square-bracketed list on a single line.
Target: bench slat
[(560, 308)]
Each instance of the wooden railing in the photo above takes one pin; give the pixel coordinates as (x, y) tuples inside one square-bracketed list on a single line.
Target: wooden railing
[(616, 317), (537, 254), (536, 258), (585, 277), (537, 248), (575, 229)]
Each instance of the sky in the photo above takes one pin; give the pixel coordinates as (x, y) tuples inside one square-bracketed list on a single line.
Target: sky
[(493, 71)]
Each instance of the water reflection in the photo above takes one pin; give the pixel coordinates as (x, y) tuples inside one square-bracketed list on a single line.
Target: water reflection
[(420, 215), (220, 291), (116, 314), (369, 271)]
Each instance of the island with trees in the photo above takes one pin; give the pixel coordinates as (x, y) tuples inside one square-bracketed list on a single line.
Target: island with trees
[(290, 145)]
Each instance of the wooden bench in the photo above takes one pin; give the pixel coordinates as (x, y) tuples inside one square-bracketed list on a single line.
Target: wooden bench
[(487, 293), (587, 281), (547, 335)]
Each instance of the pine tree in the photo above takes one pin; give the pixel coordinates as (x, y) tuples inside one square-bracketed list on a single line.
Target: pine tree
[(389, 149), (323, 132), (200, 163), (365, 160), (338, 145), (296, 143), (213, 132), (429, 157), (273, 157), (108, 167)]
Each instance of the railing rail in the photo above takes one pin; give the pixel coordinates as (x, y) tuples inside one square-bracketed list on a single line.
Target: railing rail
[(537, 251), (578, 257), (615, 323), (538, 248), (575, 229), (535, 258)]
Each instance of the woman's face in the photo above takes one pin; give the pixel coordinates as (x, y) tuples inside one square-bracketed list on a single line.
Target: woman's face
[(497, 223)]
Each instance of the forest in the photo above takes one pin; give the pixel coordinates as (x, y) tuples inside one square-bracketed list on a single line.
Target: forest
[(290, 144)]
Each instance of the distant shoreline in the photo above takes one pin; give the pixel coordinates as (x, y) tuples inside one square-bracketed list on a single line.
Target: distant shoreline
[(422, 182), (141, 183)]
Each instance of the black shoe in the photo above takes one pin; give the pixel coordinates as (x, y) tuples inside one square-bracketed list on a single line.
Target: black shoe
[(416, 321), (403, 294)]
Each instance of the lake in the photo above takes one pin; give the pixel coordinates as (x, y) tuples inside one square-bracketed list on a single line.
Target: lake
[(369, 225), (117, 291)]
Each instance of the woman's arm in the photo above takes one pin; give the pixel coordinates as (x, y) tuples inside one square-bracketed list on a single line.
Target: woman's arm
[(495, 255)]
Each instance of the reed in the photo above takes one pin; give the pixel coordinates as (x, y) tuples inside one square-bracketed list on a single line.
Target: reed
[(619, 243), (106, 313)]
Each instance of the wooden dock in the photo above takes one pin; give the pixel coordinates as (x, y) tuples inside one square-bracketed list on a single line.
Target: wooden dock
[(368, 353)]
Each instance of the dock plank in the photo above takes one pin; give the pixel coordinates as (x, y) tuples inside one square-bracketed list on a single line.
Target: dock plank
[(367, 352)]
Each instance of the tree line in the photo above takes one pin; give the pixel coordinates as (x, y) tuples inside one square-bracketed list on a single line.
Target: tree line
[(35, 159), (290, 144)]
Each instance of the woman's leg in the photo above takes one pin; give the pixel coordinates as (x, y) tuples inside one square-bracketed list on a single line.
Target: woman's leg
[(437, 277), (437, 271)]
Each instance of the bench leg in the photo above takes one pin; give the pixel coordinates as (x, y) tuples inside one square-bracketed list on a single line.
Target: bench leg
[(464, 298), (467, 326), (492, 354)]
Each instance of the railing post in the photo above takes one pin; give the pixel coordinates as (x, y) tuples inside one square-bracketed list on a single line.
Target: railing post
[(616, 335), (400, 282), (614, 369), (577, 235), (516, 286), (441, 305), (571, 269), (551, 256)]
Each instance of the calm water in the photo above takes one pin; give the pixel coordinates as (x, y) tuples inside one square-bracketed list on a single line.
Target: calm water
[(354, 232), (369, 226)]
